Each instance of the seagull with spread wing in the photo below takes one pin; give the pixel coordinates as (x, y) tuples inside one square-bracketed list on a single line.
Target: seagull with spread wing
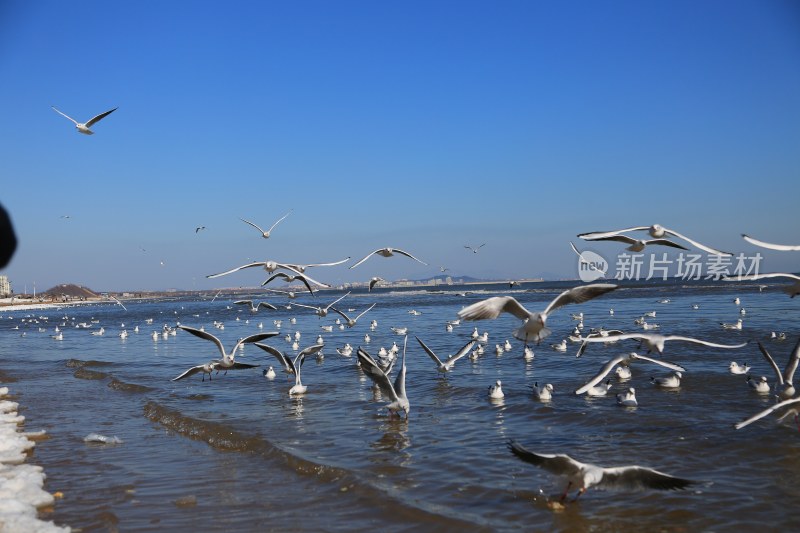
[(267, 233), (396, 393), (84, 127), (388, 252), (656, 231), (446, 365)]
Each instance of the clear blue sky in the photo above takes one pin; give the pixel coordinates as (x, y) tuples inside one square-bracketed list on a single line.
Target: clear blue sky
[(423, 126)]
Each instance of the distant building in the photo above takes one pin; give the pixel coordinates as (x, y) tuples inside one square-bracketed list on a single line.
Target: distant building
[(5, 287)]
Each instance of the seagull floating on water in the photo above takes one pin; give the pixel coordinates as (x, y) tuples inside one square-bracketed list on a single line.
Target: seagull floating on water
[(84, 127), (736, 368), (760, 385), (583, 476), (785, 386), (496, 390), (627, 398), (544, 393), (672, 381)]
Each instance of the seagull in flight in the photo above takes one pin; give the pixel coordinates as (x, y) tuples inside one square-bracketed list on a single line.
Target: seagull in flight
[(198, 228), (624, 360), (637, 245), (474, 248), (778, 406), (255, 307), (656, 231), (84, 127), (294, 277), (396, 393), (302, 268), (228, 358), (584, 476), (292, 366), (374, 281), (350, 322), (448, 363), (780, 247), (785, 386), (267, 233), (269, 266), (388, 252), (533, 325), (323, 311), (654, 341), (792, 290)]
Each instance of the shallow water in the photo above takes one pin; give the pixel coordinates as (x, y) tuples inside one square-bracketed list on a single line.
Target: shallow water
[(237, 451)]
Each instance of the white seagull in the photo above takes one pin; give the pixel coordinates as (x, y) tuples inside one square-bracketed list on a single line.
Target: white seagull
[(759, 385), (583, 476), (672, 381), (255, 307), (297, 276), (228, 358), (786, 387), (736, 368), (543, 394), (627, 398), (737, 325), (780, 247), (656, 231), (302, 268), (84, 127), (624, 361), (206, 368), (654, 341), (374, 281), (292, 366), (600, 390), (792, 290), (496, 390), (388, 252), (323, 311), (533, 326), (448, 363), (267, 233), (269, 266), (765, 412), (474, 249), (350, 322), (637, 245), (396, 393)]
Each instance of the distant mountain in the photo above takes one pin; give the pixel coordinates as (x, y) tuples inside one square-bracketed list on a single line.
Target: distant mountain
[(70, 290)]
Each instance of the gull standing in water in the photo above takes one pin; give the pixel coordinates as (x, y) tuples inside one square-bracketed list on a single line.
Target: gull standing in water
[(228, 358), (396, 393), (583, 476), (84, 127), (267, 233), (388, 252), (656, 231), (780, 247), (533, 326), (448, 363), (785, 386)]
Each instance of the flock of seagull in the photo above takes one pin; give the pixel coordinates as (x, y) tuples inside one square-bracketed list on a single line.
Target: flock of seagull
[(533, 329)]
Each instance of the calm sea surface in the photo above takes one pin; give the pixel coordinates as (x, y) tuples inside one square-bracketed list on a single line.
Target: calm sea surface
[(238, 452)]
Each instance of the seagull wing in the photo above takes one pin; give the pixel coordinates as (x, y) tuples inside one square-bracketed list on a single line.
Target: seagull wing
[(305, 279), (765, 412), (241, 366), (329, 264), (401, 252), (366, 257), (706, 343), (278, 355), (400, 381), (258, 337), (363, 312), (751, 240), (64, 115), (371, 368), (99, 117), (283, 275), (601, 234), (579, 294), (772, 363), (248, 265), (791, 366), (562, 465), (492, 307), (602, 374), (696, 244), (665, 242), (252, 224), (429, 351), (278, 222), (667, 364), (753, 277), (207, 336), (336, 301), (640, 477), (461, 353), (342, 314), (267, 306), (311, 350), (618, 238), (192, 371)]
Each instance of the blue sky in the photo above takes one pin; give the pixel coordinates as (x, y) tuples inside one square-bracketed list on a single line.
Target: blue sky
[(423, 126)]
